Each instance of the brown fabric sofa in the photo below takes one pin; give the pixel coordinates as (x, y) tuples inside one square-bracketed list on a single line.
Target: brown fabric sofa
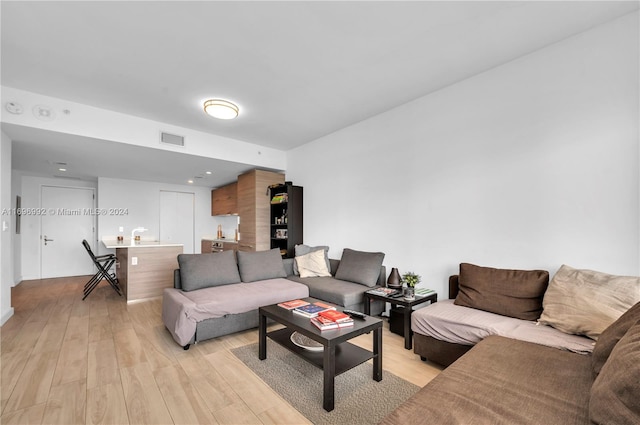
[(507, 381)]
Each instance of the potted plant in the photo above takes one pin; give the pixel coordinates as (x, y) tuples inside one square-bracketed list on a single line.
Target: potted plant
[(411, 280)]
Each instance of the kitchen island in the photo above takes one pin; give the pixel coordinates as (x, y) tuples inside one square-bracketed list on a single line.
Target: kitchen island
[(145, 268)]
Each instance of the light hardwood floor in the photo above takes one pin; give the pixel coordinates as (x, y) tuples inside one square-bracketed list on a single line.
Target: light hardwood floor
[(68, 361)]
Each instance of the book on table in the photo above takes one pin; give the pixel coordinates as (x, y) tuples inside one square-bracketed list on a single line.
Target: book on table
[(324, 324), (421, 292), (385, 292), (312, 310), (335, 316), (290, 305)]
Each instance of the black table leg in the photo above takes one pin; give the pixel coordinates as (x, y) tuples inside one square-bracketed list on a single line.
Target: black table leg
[(329, 369), (407, 328), (377, 354), (367, 306), (262, 337)]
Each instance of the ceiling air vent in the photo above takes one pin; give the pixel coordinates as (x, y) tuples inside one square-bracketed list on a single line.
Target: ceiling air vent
[(172, 139)]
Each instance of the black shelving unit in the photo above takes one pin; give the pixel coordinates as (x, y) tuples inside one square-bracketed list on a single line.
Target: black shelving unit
[(286, 218)]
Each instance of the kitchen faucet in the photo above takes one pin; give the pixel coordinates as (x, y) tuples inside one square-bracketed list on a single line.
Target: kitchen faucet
[(137, 229)]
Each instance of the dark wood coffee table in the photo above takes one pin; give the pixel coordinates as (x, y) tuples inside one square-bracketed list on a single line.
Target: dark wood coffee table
[(408, 309), (337, 356)]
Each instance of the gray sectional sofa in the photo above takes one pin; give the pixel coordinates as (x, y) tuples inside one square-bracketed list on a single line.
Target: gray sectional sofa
[(215, 294)]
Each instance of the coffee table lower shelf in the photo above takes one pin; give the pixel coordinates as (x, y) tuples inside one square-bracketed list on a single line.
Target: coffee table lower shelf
[(347, 356)]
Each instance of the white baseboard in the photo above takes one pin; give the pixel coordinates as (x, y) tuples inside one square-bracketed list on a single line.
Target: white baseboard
[(6, 316)]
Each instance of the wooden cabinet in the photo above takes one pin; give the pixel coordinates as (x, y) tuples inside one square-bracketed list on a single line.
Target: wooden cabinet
[(229, 246), (206, 246), (254, 209), (224, 200), (286, 218)]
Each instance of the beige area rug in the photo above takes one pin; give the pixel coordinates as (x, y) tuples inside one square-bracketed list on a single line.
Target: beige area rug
[(358, 398)]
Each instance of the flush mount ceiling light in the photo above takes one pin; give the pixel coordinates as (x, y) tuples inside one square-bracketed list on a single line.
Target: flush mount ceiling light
[(221, 109)]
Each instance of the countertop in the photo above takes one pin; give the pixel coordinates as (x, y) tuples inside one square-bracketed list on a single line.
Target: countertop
[(113, 243), (220, 240)]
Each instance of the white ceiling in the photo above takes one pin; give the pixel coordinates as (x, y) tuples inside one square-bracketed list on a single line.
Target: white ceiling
[(298, 70)]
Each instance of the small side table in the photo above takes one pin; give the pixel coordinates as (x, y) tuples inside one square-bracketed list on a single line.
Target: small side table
[(408, 309)]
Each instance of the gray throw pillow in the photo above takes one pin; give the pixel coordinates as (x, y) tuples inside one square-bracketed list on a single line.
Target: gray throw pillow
[(306, 249), (205, 270), (260, 265), (360, 267)]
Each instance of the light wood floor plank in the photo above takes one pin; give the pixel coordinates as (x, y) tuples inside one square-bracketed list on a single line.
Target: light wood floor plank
[(66, 404), (129, 350), (12, 366), (29, 416), (26, 339), (184, 402), (145, 404), (72, 363), (106, 405), (237, 414), (51, 337), (99, 328), (253, 391), (77, 329), (213, 388), (35, 381), (102, 364)]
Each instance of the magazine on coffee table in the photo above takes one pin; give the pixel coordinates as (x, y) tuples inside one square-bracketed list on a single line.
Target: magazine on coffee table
[(312, 310)]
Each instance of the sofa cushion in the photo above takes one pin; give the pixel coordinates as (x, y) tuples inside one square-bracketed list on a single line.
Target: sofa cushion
[(301, 250), (513, 293), (260, 265), (360, 267), (615, 394), (586, 302), (312, 265), (204, 270), (504, 381), (332, 290), (611, 335)]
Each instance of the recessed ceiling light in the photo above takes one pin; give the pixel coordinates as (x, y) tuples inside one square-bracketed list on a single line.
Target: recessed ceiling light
[(62, 169), (221, 109), (207, 172), (189, 181)]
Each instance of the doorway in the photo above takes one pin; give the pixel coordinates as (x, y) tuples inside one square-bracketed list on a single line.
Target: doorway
[(66, 220)]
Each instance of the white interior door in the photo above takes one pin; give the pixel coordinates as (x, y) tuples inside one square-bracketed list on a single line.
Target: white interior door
[(177, 223), (66, 221)]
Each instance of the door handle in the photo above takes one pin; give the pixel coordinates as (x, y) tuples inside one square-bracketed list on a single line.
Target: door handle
[(47, 240)]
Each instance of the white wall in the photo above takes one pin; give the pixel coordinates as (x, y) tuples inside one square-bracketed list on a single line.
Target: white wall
[(142, 202), (7, 224), (530, 165), (30, 246)]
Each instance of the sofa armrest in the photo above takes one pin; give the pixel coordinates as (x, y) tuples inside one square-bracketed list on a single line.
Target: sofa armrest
[(288, 265), (453, 286), (174, 316), (177, 283)]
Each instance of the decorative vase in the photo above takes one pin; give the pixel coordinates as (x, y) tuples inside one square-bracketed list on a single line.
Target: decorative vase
[(394, 281), (409, 293)]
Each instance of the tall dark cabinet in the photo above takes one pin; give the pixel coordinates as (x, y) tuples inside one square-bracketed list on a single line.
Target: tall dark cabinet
[(286, 218)]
